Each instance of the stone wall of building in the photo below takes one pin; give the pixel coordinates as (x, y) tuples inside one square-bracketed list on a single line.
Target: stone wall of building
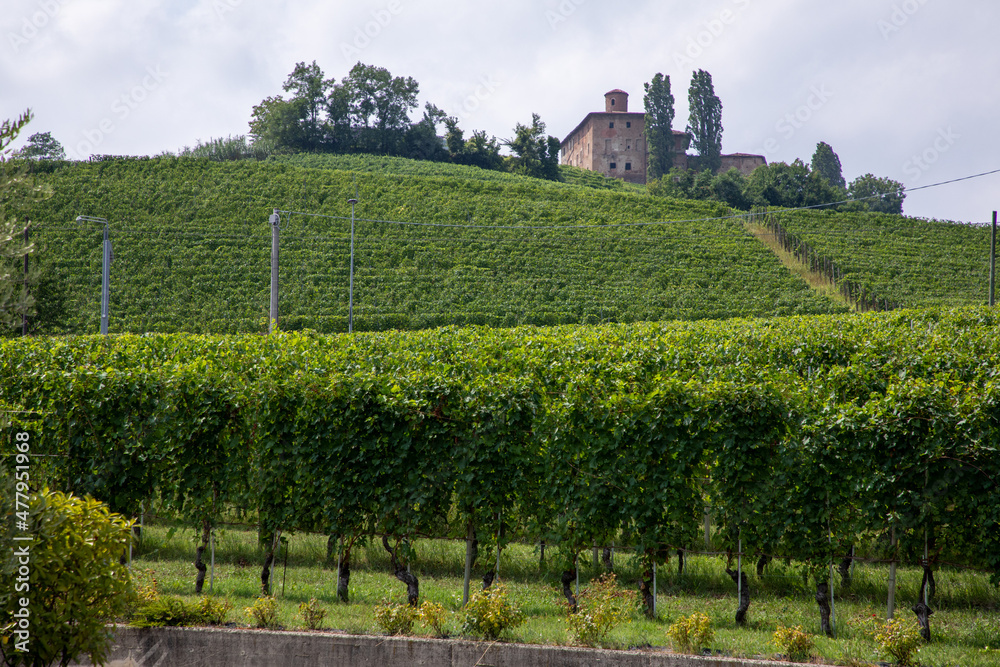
[(613, 143)]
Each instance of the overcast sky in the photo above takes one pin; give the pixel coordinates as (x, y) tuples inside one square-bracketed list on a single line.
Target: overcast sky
[(908, 89)]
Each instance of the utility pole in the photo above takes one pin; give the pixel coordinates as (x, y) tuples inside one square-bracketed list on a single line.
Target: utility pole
[(105, 271), (272, 318), (993, 257), (350, 289), (24, 316)]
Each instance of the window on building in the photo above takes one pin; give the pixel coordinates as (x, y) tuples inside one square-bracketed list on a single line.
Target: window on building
[(628, 123), (628, 166), (613, 165), (612, 101), (611, 125)]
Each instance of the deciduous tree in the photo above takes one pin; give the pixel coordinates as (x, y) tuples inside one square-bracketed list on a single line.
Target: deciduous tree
[(881, 195), (379, 107), (41, 146), (535, 154)]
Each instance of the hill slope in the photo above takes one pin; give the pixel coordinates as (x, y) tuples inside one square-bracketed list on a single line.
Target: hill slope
[(908, 262), (192, 250)]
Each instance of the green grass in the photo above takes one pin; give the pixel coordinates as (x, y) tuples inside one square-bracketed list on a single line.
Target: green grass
[(965, 626)]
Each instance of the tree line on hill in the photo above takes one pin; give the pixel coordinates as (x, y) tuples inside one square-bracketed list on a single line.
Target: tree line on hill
[(794, 185), (778, 184), (368, 111)]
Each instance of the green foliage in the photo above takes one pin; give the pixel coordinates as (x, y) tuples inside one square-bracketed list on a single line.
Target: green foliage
[(789, 186), (490, 613), (230, 148), (433, 616), (210, 272), (896, 639), (534, 154), (41, 146), (793, 643), (705, 120), (881, 252), (827, 164), (395, 618), (263, 613), (9, 129), (801, 433), (76, 585), (878, 195), (603, 606), (312, 613), (171, 611), (689, 634), (659, 104)]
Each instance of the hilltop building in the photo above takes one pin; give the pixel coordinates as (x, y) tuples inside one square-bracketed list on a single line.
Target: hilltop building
[(613, 143)]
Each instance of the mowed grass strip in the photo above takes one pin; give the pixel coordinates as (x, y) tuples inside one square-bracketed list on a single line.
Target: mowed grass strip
[(965, 625)]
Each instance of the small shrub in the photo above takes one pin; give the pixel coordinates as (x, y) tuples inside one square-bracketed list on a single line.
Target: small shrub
[(690, 633), (263, 613), (602, 607), (147, 588), (395, 619), (490, 613), (899, 640), (213, 610), (433, 616), (795, 644), (312, 614), (173, 611)]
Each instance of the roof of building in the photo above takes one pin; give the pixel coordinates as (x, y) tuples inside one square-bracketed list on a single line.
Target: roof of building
[(616, 91), (616, 114)]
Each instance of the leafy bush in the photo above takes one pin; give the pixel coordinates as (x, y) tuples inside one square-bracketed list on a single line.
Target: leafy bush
[(602, 607), (433, 616), (795, 644), (263, 613), (74, 565), (312, 614), (491, 612), (690, 633), (899, 640), (394, 618), (173, 611), (896, 639)]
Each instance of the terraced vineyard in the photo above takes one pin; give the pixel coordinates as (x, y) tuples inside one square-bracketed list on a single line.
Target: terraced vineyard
[(908, 261), (192, 245)]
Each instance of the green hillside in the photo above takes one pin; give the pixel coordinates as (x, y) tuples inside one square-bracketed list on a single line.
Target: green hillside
[(910, 262), (404, 166), (192, 244)]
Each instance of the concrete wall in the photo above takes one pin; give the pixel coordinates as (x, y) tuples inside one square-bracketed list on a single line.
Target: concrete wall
[(210, 647)]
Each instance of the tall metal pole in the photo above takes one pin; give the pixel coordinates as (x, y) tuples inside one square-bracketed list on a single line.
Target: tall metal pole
[(272, 318), (993, 257), (24, 316), (350, 291), (105, 281), (105, 269)]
